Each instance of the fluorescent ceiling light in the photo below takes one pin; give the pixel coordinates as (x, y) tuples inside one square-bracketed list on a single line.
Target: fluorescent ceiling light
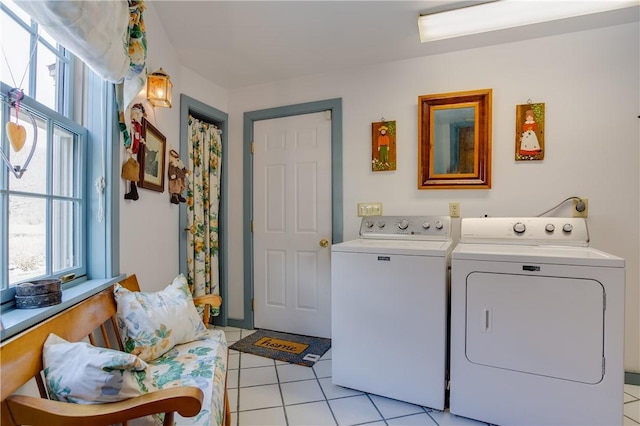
[(498, 15)]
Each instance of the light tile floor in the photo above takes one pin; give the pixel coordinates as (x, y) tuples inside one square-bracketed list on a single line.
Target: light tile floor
[(264, 392)]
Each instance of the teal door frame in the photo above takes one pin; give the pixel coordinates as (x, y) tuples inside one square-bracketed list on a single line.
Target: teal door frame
[(335, 107)]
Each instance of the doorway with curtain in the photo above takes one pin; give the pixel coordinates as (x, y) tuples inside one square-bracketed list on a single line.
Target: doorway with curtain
[(202, 219)]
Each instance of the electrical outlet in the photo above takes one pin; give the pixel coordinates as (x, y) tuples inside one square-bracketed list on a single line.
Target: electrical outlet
[(369, 209), (454, 209), (583, 213)]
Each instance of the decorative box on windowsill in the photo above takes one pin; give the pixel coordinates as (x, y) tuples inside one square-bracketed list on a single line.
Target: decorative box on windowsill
[(38, 294)]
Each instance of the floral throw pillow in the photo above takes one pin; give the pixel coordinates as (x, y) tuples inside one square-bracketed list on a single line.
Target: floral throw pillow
[(84, 374), (152, 323)]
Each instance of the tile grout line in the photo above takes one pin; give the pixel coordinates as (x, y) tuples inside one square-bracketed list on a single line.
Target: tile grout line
[(238, 394), (635, 400), (632, 420), (325, 395), (284, 410), (376, 407), (431, 417)]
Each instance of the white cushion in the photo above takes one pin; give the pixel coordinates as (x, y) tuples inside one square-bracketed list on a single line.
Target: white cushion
[(152, 323), (84, 374)]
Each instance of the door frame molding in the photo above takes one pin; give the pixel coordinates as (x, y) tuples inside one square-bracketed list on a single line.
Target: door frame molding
[(333, 105), (209, 114)]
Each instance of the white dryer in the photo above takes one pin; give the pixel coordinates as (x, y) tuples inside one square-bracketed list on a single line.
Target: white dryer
[(389, 306), (537, 324)]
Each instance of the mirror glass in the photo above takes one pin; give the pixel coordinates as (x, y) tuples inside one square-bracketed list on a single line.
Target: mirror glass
[(454, 140)]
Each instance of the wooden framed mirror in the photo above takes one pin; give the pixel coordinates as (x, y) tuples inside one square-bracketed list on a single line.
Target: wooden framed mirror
[(454, 140)]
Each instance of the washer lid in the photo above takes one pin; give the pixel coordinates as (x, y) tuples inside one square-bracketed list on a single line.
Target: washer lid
[(558, 255), (401, 247)]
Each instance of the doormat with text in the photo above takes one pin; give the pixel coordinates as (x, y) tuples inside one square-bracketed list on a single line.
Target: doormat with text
[(292, 348)]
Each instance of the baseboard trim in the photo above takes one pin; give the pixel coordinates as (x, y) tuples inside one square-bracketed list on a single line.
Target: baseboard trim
[(632, 378), (243, 323)]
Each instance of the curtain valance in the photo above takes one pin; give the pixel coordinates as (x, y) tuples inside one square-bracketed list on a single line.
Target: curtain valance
[(97, 32), (108, 36)]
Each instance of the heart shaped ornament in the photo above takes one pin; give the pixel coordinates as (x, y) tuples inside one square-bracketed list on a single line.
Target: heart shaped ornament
[(17, 135)]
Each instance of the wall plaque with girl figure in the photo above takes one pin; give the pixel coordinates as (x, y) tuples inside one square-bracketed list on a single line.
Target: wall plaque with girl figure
[(529, 132)]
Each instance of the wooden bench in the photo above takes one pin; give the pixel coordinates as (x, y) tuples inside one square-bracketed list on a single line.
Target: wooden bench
[(21, 360)]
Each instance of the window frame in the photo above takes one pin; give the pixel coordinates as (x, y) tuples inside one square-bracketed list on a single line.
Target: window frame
[(52, 120)]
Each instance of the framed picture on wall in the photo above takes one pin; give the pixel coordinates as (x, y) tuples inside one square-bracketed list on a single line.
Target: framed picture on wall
[(530, 132), (383, 146), (151, 158)]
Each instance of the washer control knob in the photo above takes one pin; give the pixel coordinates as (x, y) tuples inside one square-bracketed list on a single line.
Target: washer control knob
[(439, 225), (403, 224), (381, 224), (550, 227), (369, 224), (567, 227), (519, 228), (426, 225)]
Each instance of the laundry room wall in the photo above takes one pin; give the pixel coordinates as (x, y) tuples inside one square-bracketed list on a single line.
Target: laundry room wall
[(589, 84)]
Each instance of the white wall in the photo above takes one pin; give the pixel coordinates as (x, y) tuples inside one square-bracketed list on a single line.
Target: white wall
[(149, 228), (589, 83)]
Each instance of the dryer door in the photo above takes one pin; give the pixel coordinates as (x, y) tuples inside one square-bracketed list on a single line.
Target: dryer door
[(549, 326)]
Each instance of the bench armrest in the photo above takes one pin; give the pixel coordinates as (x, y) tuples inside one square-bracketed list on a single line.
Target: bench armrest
[(186, 400), (208, 300)]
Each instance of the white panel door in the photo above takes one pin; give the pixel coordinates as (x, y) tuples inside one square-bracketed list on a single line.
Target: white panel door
[(292, 224)]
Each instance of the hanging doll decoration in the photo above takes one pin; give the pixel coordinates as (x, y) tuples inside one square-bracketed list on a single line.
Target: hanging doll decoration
[(137, 115), (177, 173)]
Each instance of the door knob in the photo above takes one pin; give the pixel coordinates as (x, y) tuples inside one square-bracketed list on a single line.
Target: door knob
[(324, 243)]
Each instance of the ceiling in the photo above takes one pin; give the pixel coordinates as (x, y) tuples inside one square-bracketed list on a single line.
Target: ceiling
[(242, 43)]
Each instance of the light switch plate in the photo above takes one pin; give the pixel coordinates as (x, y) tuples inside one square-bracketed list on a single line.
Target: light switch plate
[(369, 209)]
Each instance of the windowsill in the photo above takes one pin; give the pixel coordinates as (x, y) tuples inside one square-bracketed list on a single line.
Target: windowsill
[(16, 320)]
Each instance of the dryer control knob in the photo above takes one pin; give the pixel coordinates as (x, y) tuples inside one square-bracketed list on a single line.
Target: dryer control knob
[(567, 227), (369, 224), (403, 224), (381, 224), (439, 225), (550, 227), (519, 228), (426, 225)]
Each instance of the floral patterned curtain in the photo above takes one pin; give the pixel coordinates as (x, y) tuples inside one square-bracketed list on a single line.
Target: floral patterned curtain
[(203, 201)]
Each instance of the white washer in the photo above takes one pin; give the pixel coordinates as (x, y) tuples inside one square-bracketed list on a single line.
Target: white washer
[(537, 324), (389, 306)]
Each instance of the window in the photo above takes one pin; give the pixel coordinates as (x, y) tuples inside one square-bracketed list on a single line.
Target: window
[(43, 228), (44, 215)]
